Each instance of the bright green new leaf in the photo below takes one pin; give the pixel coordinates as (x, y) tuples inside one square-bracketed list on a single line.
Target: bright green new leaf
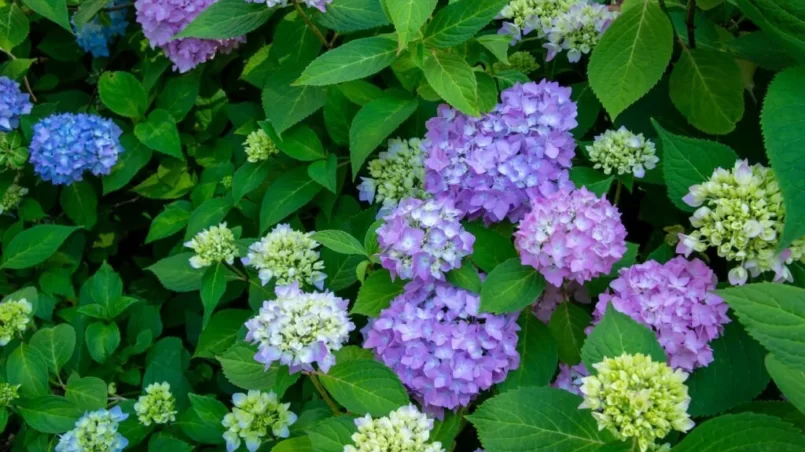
[(408, 16), (353, 15), (453, 79), (32, 246), (243, 371), (465, 277), (13, 26), (54, 10), (374, 123), (301, 143), (459, 21), (617, 334), (354, 60), (325, 172), (170, 221), (227, 19), (176, 274)]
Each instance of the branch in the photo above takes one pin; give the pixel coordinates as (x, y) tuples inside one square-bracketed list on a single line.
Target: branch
[(311, 25), (24, 77), (690, 21), (324, 395), (110, 8)]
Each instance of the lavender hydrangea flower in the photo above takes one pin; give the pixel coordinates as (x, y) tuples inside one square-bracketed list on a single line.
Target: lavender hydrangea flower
[(578, 29), (676, 301), (94, 36), (163, 19), (444, 350), (571, 236), (423, 239), (13, 104), (487, 165), (65, 145), (553, 296), (569, 378), (321, 5)]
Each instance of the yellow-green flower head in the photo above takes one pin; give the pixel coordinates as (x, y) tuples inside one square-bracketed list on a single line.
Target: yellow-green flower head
[(157, 406), (8, 393), (519, 61), (403, 430), (259, 146), (14, 318), (216, 244), (623, 152), (253, 417), (741, 214), (227, 181), (287, 255), (397, 174), (636, 398), (12, 197), (534, 15)]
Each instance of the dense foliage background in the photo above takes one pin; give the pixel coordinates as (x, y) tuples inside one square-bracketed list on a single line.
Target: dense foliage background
[(318, 87)]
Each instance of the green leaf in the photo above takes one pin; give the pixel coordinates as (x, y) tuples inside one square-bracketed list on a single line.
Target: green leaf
[(761, 48), (80, 203), (106, 287), (491, 247), (49, 413), (353, 15), (498, 45), (159, 132), (510, 287), (122, 93), (631, 56), (298, 444), (163, 441), (690, 161), (243, 371), (376, 293), (213, 286), (55, 344), (13, 26), (86, 11), (746, 431), (180, 94), (735, 376), (102, 340), (302, 144), (170, 221), (88, 393), (781, 120), (408, 16), (221, 332), (595, 181), (536, 418), (54, 10), (538, 355), (17, 68), (774, 314), (617, 334), (290, 192), (248, 177), (227, 19), (339, 241), (286, 105), (32, 246), (176, 274), (168, 361), (202, 423), (211, 213), (374, 123), (332, 434), (325, 173), (707, 88), (354, 60), (453, 79), (459, 21), (134, 157), (465, 277), (788, 380), (28, 368), (785, 19), (365, 386), (567, 326)]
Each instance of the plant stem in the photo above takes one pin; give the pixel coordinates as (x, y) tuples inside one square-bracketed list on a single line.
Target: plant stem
[(618, 192), (311, 25), (324, 395), (235, 270), (24, 77), (690, 21)]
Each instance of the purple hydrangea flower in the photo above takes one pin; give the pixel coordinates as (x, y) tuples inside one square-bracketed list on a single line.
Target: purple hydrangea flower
[(553, 296), (572, 235), (676, 301), (163, 19), (423, 239), (93, 37), (13, 104), (65, 145), (569, 378), (321, 5), (441, 347), (488, 164)]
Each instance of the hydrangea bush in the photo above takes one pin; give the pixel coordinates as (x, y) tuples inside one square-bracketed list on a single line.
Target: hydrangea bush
[(402, 225)]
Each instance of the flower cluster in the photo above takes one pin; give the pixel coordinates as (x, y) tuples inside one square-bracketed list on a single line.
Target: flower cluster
[(14, 318), (299, 329), (423, 239), (623, 152), (65, 145), (636, 398), (12, 197), (741, 214), (403, 430), (216, 244), (259, 146), (94, 36), (95, 431), (287, 255), (571, 236), (13, 104), (677, 302), (442, 348), (163, 19), (157, 405), (569, 378), (489, 164), (253, 416), (397, 174), (519, 61), (578, 29), (553, 296), (8, 393), (321, 5), (524, 16)]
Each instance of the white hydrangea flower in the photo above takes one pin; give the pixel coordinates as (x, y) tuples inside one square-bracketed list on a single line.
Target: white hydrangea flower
[(157, 405), (15, 315), (12, 197), (216, 244), (403, 430), (397, 174), (287, 255), (534, 15), (253, 417), (96, 431), (578, 29), (259, 146), (623, 152)]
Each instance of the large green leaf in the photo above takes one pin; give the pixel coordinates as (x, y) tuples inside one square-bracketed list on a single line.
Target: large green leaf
[(133, 158), (28, 368), (353, 15), (180, 94), (538, 355), (511, 286), (227, 19), (213, 286), (631, 56), (211, 213), (13, 26), (55, 10), (785, 19), (374, 123), (354, 60), (301, 143), (102, 340), (170, 221), (617, 334), (286, 105), (55, 344), (459, 21), (221, 332), (567, 326), (176, 274), (491, 248), (408, 16), (50, 413), (286, 195), (243, 371), (89, 393), (123, 94), (365, 386), (332, 434), (748, 432), (781, 120), (453, 79), (159, 132), (339, 241), (80, 203), (376, 293), (32, 246), (248, 177), (790, 381)]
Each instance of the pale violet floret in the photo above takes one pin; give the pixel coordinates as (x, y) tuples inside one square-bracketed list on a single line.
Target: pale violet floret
[(96, 431), (157, 406), (12, 197), (578, 29), (403, 430), (216, 244), (300, 329), (396, 174), (259, 146), (15, 315), (321, 5), (287, 256), (254, 416), (623, 152)]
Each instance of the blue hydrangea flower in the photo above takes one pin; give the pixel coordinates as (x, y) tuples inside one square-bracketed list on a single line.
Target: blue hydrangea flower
[(95, 431), (13, 104), (65, 145), (94, 36)]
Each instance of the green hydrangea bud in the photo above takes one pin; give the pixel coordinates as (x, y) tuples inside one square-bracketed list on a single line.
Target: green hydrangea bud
[(287, 256), (259, 146), (216, 244), (403, 430), (12, 153), (519, 61), (395, 175), (253, 417), (12, 197), (637, 399), (227, 182), (535, 14), (15, 315), (157, 405), (8, 393), (623, 152)]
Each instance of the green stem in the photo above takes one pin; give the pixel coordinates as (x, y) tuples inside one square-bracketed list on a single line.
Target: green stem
[(311, 25), (618, 192), (24, 77), (690, 22), (324, 395), (237, 271)]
